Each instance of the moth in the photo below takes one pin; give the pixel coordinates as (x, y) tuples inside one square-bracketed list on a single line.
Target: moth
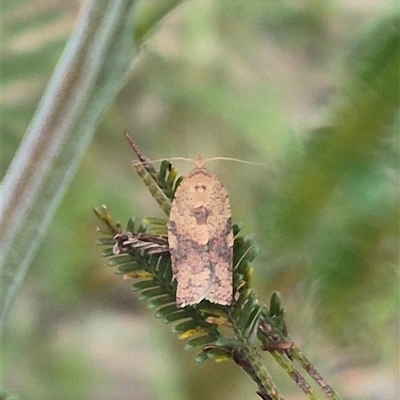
[(201, 239)]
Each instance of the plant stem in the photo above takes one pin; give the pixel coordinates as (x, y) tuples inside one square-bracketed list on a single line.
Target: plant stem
[(250, 360), (95, 64), (287, 366), (315, 375)]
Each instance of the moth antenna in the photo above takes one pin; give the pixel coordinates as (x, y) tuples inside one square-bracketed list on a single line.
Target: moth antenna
[(200, 161), (236, 160), (168, 159)]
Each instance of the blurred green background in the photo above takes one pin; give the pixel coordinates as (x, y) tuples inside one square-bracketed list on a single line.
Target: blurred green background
[(306, 87)]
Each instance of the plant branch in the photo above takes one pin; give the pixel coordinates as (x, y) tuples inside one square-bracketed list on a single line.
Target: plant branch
[(250, 360), (250, 322)]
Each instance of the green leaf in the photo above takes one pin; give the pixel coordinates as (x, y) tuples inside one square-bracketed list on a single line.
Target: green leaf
[(105, 242), (163, 266), (181, 314), (108, 252), (236, 229), (240, 302), (147, 294), (246, 312), (164, 311), (213, 309), (171, 179), (218, 353), (199, 341), (177, 183), (275, 307), (118, 260), (164, 168), (167, 275), (252, 321), (185, 326), (142, 227), (128, 267), (130, 226), (146, 284), (202, 356), (160, 301)]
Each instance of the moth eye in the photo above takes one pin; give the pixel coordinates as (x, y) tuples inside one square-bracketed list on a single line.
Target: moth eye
[(200, 188)]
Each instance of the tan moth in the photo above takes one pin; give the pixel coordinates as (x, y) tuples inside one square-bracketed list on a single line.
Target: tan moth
[(200, 236), (201, 239)]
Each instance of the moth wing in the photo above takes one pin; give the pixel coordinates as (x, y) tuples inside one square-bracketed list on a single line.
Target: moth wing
[(201, 241), (193, 286), (221, 259)]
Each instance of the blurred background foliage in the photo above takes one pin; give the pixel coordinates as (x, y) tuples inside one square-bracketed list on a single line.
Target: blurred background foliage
[(311, 89)]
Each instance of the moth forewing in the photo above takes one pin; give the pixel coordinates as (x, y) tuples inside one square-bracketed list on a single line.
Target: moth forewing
[(201, 239)]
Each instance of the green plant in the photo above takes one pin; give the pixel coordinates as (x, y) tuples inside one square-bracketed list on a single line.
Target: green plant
[(94, 66), (236, 332)]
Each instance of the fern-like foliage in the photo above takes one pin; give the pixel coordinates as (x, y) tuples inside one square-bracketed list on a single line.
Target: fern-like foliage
[(236, 332), (152, 275)]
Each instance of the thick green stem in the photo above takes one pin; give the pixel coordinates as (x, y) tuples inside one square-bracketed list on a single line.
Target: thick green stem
[(93, 67)]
